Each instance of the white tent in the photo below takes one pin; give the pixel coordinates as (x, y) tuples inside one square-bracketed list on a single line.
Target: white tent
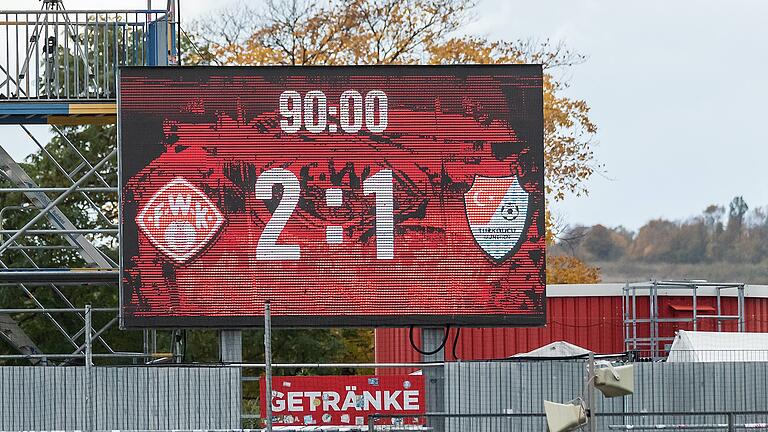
[(556, 349), (690, 346)]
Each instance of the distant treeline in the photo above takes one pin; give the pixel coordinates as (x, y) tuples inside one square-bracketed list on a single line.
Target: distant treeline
[(736, 234)]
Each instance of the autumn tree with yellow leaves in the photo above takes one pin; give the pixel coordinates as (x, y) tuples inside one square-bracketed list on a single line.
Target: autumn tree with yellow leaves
[(372, 32), (570, 270)]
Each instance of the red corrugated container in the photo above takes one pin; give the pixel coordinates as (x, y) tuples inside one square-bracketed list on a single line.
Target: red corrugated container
[(591, 321)]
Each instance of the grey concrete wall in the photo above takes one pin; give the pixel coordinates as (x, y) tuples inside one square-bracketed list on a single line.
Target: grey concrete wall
[(144, 398)]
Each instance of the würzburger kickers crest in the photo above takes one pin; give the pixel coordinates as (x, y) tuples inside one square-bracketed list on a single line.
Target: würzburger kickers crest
[(180, 219), (497, 211)]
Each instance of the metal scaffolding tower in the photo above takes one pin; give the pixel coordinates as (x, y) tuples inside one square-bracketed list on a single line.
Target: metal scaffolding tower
[(58, 233), (642, 327)]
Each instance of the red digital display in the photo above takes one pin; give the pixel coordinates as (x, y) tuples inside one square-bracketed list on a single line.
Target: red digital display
[(344, 400), (346, 196)]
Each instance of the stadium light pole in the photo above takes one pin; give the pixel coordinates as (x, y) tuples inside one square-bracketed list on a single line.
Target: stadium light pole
[(268, 361)]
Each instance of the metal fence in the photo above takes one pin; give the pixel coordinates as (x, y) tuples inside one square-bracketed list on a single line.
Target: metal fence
[(665, 393), (725, 421), (53, 54), (461, 396), (126, 398), (709, 421)]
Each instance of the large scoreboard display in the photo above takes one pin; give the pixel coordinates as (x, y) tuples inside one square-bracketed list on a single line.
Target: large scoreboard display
[(346, 196)]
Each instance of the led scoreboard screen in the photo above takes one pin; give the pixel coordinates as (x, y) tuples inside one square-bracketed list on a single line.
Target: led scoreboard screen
[(346, 196)]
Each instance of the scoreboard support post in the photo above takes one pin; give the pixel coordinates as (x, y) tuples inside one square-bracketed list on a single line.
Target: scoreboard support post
[(231, 346), (434, 377)]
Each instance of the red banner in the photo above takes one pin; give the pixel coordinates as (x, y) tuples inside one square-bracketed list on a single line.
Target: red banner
[(343, 400)]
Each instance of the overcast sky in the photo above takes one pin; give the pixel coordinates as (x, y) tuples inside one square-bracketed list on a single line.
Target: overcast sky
[(678, 89)]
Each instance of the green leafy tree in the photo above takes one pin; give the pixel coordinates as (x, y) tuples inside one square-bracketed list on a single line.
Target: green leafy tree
[(50, 168)]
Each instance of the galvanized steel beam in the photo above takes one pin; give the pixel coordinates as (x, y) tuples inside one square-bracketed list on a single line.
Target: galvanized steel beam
[(10, 331), (64, 277), (16, 174), (88, 251)]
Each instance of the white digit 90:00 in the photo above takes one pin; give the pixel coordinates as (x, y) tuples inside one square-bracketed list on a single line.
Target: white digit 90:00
[(350, 111)]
